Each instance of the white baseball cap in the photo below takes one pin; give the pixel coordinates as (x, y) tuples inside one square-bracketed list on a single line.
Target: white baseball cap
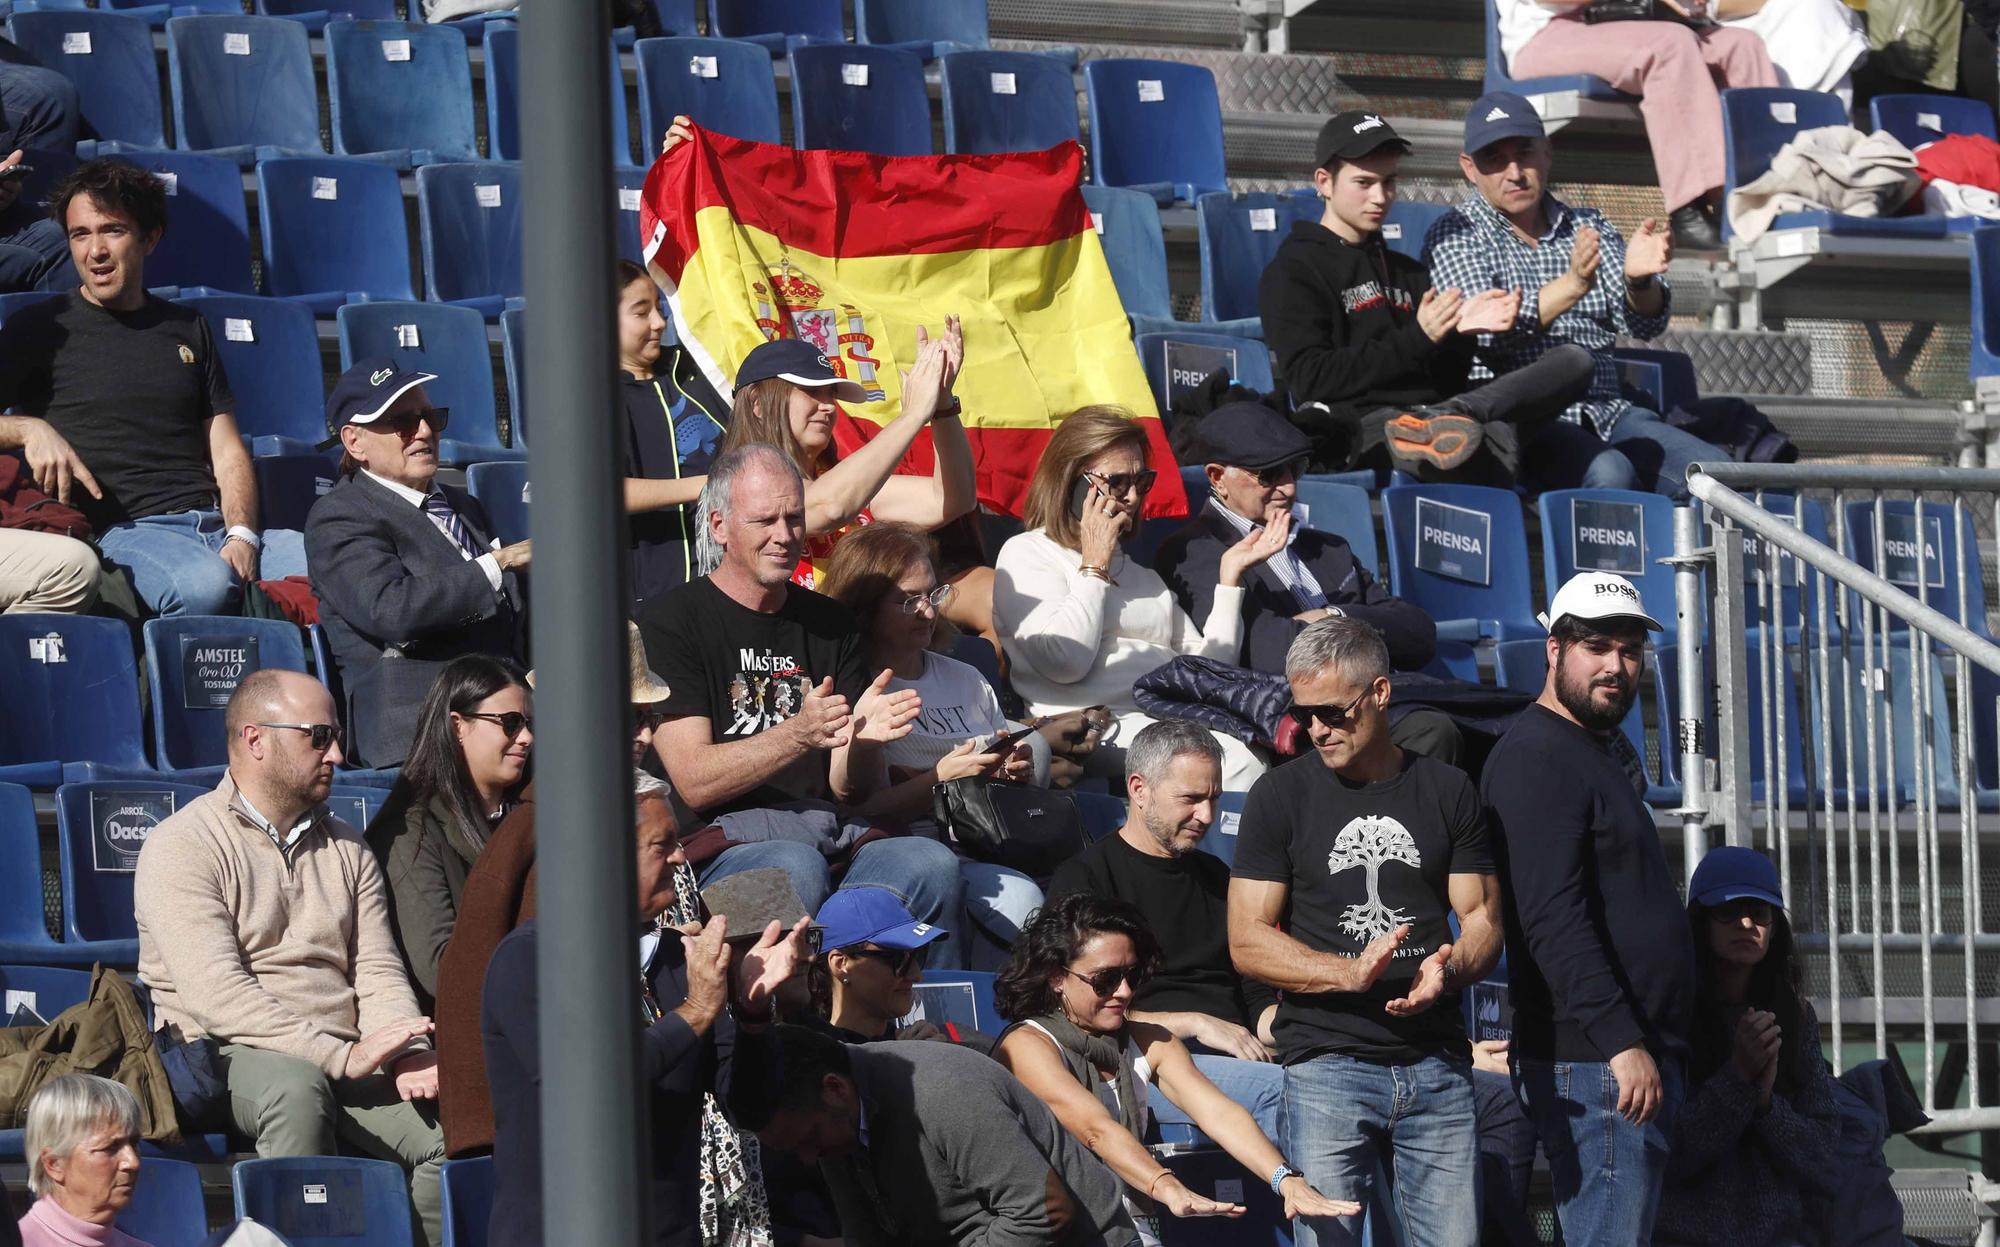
[(1598, 595)]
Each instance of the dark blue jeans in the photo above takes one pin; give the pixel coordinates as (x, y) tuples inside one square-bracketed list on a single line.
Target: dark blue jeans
[(1607, 1171)]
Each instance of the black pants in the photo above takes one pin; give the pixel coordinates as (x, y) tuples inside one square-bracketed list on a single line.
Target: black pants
[(1518, 410)]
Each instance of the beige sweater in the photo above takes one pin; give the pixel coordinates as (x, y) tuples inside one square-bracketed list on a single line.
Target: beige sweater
[(286, 951)]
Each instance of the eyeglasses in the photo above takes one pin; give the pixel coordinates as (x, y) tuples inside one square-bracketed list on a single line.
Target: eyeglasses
[(1289, 471), (901, 962), (1331, 716), (936, 597), (1125, 482), (323, 734), (1106, 981), (511, 723), (405, 423)]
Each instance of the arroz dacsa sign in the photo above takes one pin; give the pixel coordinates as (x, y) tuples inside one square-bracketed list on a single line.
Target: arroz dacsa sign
[(119, 824), (1454, 541)]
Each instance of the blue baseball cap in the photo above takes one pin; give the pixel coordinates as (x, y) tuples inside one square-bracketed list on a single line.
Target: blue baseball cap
[(1733, 873), (800, 363), (365, 391), (1500, 115), (871, 916)]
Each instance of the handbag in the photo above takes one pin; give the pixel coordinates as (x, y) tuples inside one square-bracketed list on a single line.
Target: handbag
[(1641, 11), (194, 1074), (1032, 830)]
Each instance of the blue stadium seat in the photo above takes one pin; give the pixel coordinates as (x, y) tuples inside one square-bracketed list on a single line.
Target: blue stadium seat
[(243, 87), (100, 828), (514, 360), (1985, 360), (1610, 530), (929, 28), (1797, 791), (12, 303), (467, 1190), (503, 114), (45, 989), (1239, 234), (860, 99), (400, 92), (1793, 580), (1128, 227), (1915, 120), (1006, 102), (1498, 77), (502, 488), (1678, 384), (630, 184), (351, 1200), (1758, 121), (977, 652), (1176, 362), (72, 700), (1408, 224), (1221, 838), (1466, 562), (109, 56), (726, 85), (1454, 660), (206, 248), (1943, 550), (270, 352), (778, 25), (157, 14), (333, 231), (1897, 698), (289, 484), (315, 14), (471, 222), (166, 1208), (1155, 126), (189, 682), (962, 997), (24, 934), (1346, 512), (450, 344), (356, 804), (1102, 815)]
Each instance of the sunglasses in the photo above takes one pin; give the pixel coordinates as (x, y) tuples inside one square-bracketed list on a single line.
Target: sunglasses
[(511, 723), (405, 423), (1106, 981), (1125, 482), (901, 962), (322, 735), (1330, 716), (1269, 477), (646, 716), (1734, 912), (936, 597)]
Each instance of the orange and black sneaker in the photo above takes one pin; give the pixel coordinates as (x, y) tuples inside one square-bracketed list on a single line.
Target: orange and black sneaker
[(1443, 439)]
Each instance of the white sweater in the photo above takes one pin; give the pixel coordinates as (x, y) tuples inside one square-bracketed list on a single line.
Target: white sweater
[(1075, 641)]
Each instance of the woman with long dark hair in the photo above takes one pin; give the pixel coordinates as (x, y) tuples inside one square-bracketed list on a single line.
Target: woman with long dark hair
[(467, 765), (1067, 989), (1753, 1146)]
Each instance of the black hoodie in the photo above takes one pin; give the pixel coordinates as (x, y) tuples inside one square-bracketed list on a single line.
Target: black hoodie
[(1342, 319)]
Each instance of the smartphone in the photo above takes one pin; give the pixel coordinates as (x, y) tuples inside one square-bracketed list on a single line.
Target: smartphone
[(1005, 744), (16, 171), (1079, 491)]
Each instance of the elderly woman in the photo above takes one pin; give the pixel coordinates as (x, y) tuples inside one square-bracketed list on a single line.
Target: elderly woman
[(83, 1162)]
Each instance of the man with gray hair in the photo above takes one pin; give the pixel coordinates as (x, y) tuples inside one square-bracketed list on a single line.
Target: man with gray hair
[(773, 727), (1173, 775), (1363, 851)]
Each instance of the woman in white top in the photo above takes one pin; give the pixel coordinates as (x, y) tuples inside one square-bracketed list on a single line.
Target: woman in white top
[(1814, 43), (1066, 989), (1081, 621)]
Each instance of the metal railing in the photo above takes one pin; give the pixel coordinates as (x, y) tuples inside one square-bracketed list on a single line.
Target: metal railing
[(1833, 646)]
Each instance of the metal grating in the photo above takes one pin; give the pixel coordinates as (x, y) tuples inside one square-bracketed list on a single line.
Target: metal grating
[(1195, 23)]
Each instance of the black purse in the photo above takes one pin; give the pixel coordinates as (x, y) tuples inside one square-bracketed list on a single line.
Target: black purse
[(1641, 11), (1032, 830)]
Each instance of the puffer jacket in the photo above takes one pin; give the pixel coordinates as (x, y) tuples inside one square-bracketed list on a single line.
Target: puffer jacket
[(105, 1034)]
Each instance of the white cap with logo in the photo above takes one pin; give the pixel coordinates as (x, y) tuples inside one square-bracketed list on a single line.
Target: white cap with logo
[(1598, 595)]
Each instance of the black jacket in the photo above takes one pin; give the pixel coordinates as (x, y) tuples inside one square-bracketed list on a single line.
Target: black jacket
[(1190, 561), (1342, 320), (674, 423)]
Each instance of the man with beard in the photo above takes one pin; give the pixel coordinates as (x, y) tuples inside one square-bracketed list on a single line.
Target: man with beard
[(1600, 960), (1174, 776)]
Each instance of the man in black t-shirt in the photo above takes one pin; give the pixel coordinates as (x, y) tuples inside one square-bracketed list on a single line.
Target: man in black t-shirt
[(123, 411), (1361, 851), (1173, 775), (773, 724)]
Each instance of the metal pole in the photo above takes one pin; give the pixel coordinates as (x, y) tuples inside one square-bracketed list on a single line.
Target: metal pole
[(1691, 730), (586, 893)]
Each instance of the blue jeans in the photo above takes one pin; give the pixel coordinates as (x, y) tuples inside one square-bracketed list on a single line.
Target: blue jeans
[(922, 873), (176, 566), (1506, 1162), (1607, 1171), (1659, 452), (998, 903), (34, 254), (1346, 1121), (1258, 1086)]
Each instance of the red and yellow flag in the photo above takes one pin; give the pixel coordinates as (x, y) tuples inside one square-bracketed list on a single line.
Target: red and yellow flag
[(852, 251)]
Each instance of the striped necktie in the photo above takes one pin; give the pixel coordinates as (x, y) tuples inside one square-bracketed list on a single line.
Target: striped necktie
[(439, 508)]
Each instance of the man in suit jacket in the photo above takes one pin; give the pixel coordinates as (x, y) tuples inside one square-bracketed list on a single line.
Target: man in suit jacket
[(407, 572), (1253, 456)]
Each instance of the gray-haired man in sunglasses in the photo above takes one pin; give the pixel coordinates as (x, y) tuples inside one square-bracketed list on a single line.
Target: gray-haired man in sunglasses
[(1363, 851)]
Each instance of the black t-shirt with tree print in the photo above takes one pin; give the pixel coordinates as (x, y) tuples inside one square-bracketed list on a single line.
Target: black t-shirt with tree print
[(1361, 860)]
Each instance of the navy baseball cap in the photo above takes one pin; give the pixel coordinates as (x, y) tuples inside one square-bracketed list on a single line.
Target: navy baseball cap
[(1250, 436), (799, 363), (1500, 115), (365, 391), (871, 916), (1733, 873)]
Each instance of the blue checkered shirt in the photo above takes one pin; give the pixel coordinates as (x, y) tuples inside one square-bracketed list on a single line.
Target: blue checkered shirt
[(1474, 248)]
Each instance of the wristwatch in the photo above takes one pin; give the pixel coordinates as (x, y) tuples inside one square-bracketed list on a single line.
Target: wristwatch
[(1279, 1175)]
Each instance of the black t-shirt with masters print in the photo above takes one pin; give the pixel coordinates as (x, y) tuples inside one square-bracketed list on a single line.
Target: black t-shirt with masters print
[(1361, 860)]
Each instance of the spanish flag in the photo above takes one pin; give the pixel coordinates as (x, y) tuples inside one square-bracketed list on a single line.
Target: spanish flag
[(852, 251)]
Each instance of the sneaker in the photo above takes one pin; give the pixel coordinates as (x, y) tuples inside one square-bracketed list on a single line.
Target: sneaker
[(1442, 439)]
